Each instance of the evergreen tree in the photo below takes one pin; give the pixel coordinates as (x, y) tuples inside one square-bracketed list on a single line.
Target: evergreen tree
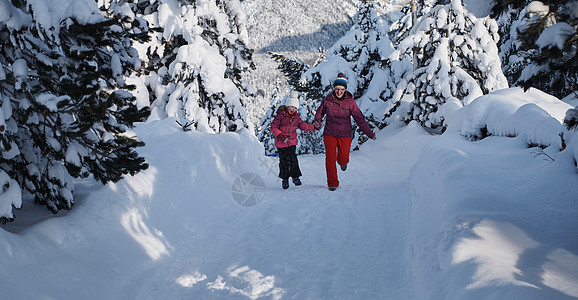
[(11, 73), (66, 105), (196, 61), (363, 55), (404, 19), (514, 57), (359, 46), (532, 53), (311, 92), (309, 141), (264, 130), (367, 49), (455, 60), (550, 34)]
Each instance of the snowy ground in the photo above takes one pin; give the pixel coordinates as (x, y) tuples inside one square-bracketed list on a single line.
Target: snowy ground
[(176, 231), (417, 216)]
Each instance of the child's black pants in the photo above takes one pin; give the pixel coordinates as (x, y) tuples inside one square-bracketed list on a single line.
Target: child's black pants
[(288, 163)]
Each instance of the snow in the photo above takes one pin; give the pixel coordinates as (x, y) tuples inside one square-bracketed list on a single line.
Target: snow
[(13, 18), (502, 243), (49, 14), (537, 8), (534, 115), (417, 216), (479, 8), (20, 68), (555, 36), (11, 195), (50, 101)]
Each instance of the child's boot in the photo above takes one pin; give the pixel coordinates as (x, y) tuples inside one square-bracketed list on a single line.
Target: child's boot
[(285, 184), (297, 181)]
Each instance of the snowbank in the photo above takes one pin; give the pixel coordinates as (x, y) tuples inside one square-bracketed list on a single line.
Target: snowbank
[(535, 116), (493, 220)]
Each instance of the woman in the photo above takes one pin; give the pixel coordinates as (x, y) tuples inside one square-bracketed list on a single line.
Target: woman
[(339, 107)]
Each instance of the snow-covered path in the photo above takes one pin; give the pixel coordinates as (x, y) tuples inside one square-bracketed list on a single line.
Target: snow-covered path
[(343, 244), (175, 231), (302, 243)]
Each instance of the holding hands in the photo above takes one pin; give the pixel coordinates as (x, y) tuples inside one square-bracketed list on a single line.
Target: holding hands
[(282, 137)]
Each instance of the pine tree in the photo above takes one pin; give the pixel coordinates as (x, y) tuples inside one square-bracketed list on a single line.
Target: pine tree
[(403, 21), (66, 105), (362, 54), (310, 142), (359, 46), (551, 37), (264, 130), (549, 67), (513, 57), (10, 74), (368, 50), (311, 92), (196, 61), (456, 60)]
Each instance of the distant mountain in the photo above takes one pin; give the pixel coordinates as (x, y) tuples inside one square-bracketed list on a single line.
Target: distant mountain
[(295, 28)]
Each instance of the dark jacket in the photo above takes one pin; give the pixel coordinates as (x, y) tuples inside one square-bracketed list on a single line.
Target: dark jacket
[(339, 113)]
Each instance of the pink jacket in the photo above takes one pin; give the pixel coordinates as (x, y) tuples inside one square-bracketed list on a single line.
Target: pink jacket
[(284, 128), (339, 113)]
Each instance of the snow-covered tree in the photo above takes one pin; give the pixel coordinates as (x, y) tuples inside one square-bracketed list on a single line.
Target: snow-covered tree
[(264, 128), (309, 141), (309, 93), (514, 57), (367, 49), (66, 106), (538, 44), (360, 47), (455, 60), (402, 20), (362, 54), (551, 36), (571, 119), (195, 61)]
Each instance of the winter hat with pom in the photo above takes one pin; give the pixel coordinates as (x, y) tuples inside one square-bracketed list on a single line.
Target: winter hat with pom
[(293, 100), (340, 80)]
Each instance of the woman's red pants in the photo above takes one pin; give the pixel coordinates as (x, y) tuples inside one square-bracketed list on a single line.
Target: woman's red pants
[(336, 151)]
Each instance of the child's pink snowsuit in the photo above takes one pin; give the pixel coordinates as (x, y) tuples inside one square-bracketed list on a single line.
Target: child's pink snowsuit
[(284, 128)]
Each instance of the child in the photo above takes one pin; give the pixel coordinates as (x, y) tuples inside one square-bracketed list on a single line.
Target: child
[(284, 128)]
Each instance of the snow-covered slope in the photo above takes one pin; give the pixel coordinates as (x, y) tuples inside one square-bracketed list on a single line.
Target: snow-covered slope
[(296, 29), (417, 216)]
